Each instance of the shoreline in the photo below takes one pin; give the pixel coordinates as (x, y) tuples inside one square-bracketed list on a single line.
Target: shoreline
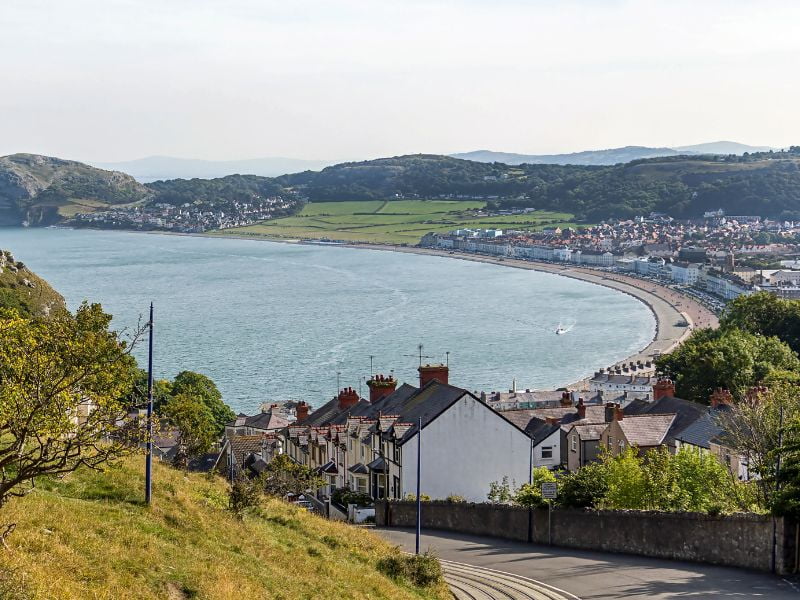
[(668, 307)]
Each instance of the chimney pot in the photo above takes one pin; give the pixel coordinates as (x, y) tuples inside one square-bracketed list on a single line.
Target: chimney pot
[(428, 373)]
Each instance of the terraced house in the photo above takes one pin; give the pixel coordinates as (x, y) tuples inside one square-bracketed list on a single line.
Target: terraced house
[(370, 445)]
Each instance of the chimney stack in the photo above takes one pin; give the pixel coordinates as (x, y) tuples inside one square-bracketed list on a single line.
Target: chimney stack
[(613, 412), (721, 397), (380, 386), (581, 409), (348, 398), (428, 373), (302, 410), (662, 389)]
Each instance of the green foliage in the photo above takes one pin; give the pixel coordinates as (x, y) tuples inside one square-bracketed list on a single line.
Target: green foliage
[(689, 480), (413, 498), (500, 492), (530, 494), (346, 496), (195, 425), (421, 570), (203, 388), (283, 476), (584, 488), (787, 498), (60, 400), (244, 493), (455, 499), (729, 358), (765, 314)]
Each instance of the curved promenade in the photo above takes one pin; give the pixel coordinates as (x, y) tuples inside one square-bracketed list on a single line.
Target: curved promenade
[(676, 314)]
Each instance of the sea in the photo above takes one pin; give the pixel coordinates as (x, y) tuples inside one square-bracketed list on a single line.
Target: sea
[(271, 321)]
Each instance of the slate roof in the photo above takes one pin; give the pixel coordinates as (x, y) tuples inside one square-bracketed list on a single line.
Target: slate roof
[(244, 445), (685, 411), (590, 431), (359, 468), (630, 379), (703, 430), (379, 465), (647, 430), (537, 429), (264, 420)]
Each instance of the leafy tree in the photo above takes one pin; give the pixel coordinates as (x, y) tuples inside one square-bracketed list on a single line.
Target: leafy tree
[(195, 425), (62, 385), (530, 494), (244, 493), (787, 497), (283, 476), (765, 314), (204, 389), (753, 430), (625, 479), (584, 488), (500, 492), (728, 358)]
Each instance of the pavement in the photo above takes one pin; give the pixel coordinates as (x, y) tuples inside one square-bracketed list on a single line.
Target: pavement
[(567, 573)]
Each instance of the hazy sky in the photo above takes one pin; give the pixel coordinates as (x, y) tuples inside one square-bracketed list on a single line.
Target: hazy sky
[(338, 79)]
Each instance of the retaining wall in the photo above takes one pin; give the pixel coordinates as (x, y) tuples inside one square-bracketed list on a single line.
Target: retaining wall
[(743, 540)]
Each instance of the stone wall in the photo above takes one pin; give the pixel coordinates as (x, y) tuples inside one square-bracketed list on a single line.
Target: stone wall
[(733, 540)]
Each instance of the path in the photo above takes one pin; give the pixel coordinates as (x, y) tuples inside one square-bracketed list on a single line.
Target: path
[(597, 575)]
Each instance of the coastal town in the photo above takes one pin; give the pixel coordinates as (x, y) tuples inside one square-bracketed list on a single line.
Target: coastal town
[(186, 217)]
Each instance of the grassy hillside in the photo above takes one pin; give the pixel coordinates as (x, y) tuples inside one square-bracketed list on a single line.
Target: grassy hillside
[(42, 189), (90, 536), (394, 222), (24, 291)]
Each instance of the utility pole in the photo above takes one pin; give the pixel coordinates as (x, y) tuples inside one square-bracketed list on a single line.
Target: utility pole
[(148, 475), (371, 370), (419, 475)]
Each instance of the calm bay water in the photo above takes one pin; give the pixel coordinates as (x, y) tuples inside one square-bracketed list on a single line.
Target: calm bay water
[(270, 321)]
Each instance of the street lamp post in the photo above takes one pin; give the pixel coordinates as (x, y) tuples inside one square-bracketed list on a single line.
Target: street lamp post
[(419, 475), (148, 476)]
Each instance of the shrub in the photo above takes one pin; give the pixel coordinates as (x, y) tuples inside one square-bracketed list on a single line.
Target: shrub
[(421, 570), (455, 499), (585, 488), (413, 498), (530, 494), (244, 494), (345, 496)]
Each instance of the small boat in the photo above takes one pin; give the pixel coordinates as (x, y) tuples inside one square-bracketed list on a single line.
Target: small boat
[(560, 330)]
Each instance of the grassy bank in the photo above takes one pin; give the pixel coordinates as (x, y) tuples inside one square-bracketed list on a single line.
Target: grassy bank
[(392, 222), (90, 536)]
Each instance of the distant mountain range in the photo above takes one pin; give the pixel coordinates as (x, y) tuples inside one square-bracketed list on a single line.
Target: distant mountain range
[(155, 168), (611, 156)]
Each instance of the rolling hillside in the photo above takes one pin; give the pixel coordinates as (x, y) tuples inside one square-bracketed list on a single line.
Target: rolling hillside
[(90, 536), (42, 189)]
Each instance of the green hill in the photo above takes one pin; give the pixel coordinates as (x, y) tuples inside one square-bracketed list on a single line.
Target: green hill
[(90, 536), (24, 291), (41, 189), (766, 184)]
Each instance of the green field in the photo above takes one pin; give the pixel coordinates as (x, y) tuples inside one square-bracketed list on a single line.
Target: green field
[(392, 222)]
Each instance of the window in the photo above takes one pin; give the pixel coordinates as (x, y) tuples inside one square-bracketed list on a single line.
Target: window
[(361, 485), (622, 445), (574, 443), (396, 488), (547, 452)]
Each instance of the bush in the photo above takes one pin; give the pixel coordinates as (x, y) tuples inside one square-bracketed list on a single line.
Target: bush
[(244, 494), (413, 498), (530, 494), (455, 499), (346, 496), (421, 570), (585, 488)]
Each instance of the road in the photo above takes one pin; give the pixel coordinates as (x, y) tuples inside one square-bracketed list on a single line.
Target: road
[(600, 576)]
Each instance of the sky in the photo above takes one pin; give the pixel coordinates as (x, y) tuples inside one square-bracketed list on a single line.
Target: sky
[(108, 80)]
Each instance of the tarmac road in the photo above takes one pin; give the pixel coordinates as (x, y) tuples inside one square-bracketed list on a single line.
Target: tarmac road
[(596, 575)]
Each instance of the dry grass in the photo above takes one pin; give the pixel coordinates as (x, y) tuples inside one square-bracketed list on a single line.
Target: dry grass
[(90, 536)]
